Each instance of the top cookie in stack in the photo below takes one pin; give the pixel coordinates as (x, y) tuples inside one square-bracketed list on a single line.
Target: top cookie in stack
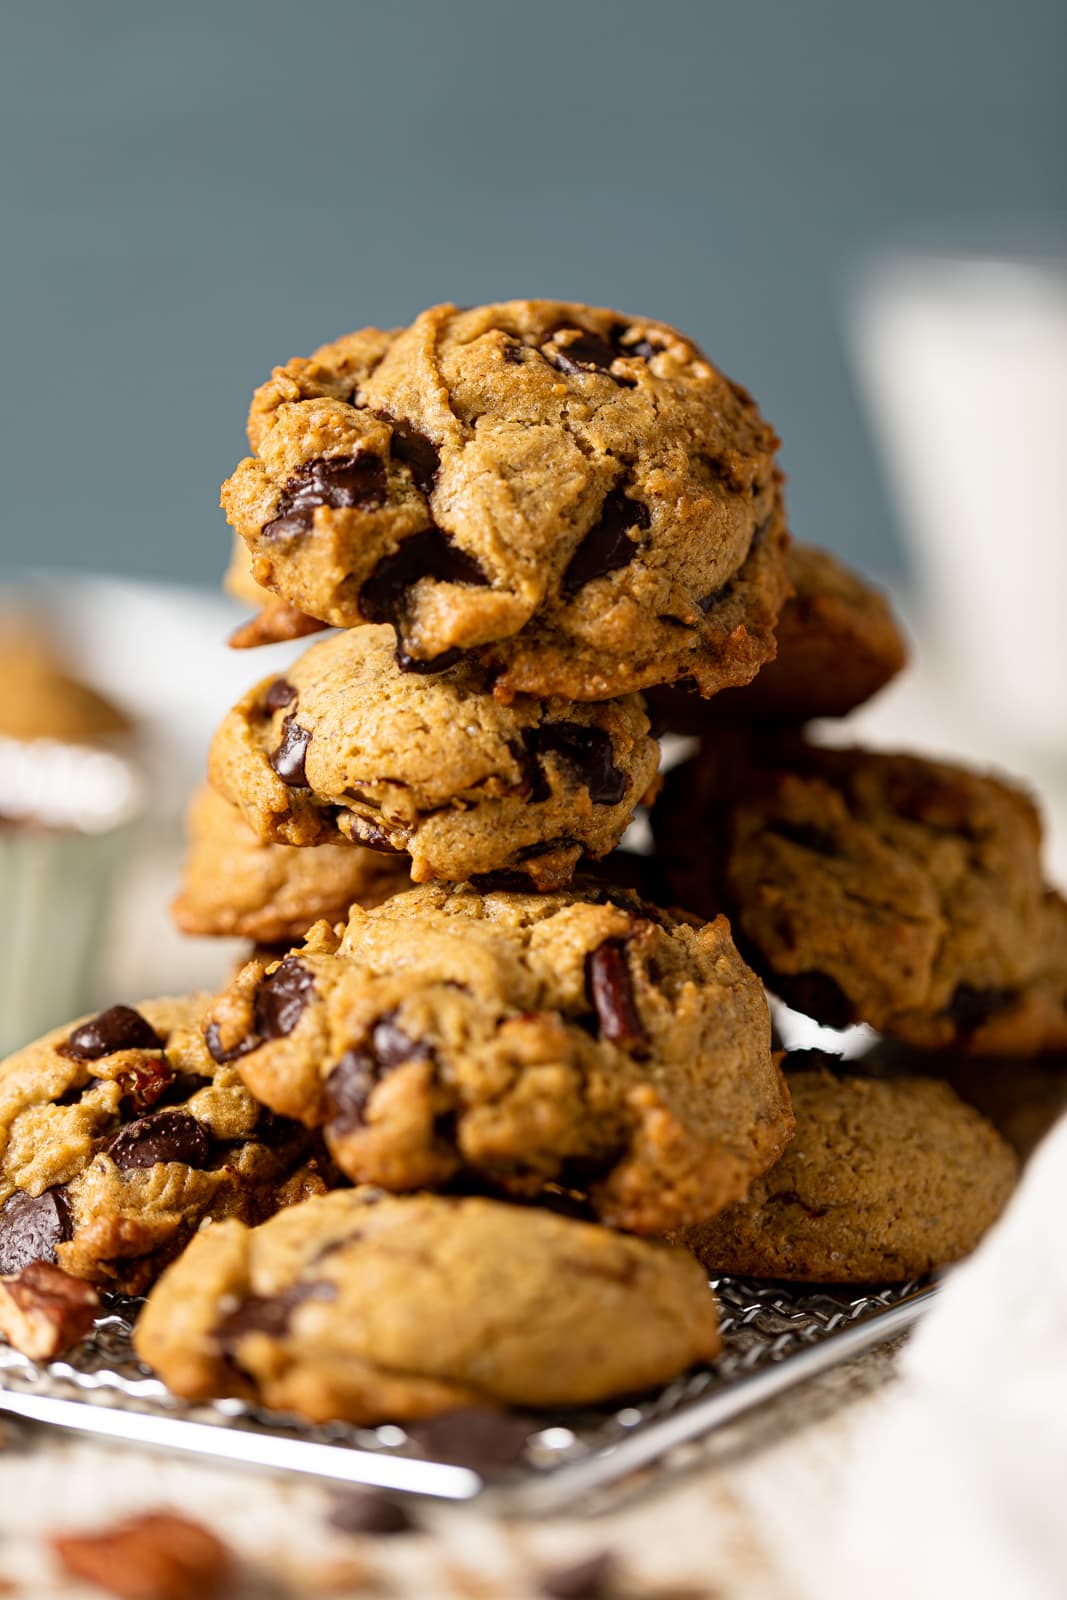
[(579, 500)]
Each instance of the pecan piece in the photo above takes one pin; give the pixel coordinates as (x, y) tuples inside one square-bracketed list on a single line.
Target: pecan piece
[(44, 1311), (154, 1556)]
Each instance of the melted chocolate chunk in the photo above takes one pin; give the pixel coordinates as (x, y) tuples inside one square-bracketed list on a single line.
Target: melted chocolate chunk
[(343, 482), (610, 989), (353, 1080), (162, 1136), (642, 349), (182, 1086), (370, 1511), (589, 352), (269, 1314), (429, 554), (970, 1007), (118, 1028), (707, 602), (279, 694), (515, 353), (418, 453), (274, 1130), (587, 752), (546, 847), (213, 1040), (817, 995), (289, 758), (608, 546), (371, 837), (30, 1228), (281, 999), (591, 1579), (441, 663)]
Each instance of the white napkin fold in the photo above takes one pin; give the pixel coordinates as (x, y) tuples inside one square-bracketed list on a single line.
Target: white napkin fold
[(958, 1487)]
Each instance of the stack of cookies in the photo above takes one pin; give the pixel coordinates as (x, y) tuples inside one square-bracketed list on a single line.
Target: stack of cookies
[(476, 1118)]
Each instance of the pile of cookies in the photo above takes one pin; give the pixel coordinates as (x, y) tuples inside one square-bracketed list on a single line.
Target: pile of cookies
[(492, 1096)]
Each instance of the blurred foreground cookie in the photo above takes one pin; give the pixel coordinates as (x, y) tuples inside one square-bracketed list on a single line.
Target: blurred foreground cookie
[(878, 888), (838, 644), (233, 886), (578, 497), (431, 768), (370, 1308), (884, 1181), (583, 1039), (119, 1135)]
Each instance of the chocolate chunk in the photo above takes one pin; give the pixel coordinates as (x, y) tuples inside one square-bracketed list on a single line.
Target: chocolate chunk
[(369, 1511), (270, 1314), (429, 554), (162, 1136), (807, 835), (213, 1040), (441, 663), (515, 353), (281, 998), (31, 1226), (475, 1436), (418, 453), (279, 694), (591, 1579), (607, 546), (970, 1007), (371, 837), (587, 752), (610, 989), (715, 598), (274, 1130), (588, 353), (546, 847), (118, 1028), (642, 349), (288, 760), (817, 995), (354, 482), (353, 1080)]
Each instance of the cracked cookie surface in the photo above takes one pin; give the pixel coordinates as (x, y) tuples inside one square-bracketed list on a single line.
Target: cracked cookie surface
[(120, 1134), (874, 887), (886, 1179), (581, 1039), (579, 497), (371, 1308), (234, 886), (348, 746), (838, 644)]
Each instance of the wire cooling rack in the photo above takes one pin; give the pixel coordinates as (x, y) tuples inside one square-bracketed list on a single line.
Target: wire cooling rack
[(775, 1336)]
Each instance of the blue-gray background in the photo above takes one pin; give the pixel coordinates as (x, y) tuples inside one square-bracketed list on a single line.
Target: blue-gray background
[(192, 192)]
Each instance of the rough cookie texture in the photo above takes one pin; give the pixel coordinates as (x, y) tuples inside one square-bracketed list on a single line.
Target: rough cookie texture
[(579, 497), (884, 1181), (275, 618), (371, 1308), (120, 1134), (880, 888), (582, 1039), (234, 886), (838, 644), (348, 745)]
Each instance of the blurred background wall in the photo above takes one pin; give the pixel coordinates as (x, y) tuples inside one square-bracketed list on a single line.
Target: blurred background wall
[(193, 192)]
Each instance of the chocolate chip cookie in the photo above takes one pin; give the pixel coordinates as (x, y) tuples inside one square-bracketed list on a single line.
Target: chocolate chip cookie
[(884, 1181), (120, 1134), (233, 886), (578, 497), (347, 745), (888, 889), (838, 644), (582, 1039), (370, 1308)]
